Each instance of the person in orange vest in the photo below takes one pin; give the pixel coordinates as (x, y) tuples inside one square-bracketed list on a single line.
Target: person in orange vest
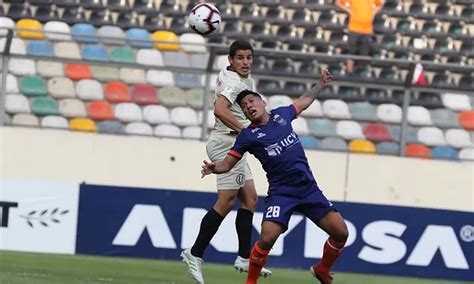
[(361, 26)]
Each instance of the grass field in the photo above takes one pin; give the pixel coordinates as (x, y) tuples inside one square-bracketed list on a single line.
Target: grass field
[(17, 267)]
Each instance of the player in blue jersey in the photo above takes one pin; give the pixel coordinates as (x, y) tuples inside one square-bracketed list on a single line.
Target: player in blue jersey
[(292, 186)]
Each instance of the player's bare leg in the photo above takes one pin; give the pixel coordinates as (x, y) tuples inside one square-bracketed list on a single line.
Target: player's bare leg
[(333, 224)]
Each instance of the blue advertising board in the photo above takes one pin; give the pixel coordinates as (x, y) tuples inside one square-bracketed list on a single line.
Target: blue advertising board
[(391, 240)]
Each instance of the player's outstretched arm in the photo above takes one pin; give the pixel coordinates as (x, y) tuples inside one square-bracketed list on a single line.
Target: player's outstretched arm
[(308, 97), (219, 167)]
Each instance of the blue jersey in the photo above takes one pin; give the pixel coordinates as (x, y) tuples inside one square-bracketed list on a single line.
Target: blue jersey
[(278, 149)]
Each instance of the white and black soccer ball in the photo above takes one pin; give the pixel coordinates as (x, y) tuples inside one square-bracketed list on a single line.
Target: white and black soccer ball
[(204, 18)]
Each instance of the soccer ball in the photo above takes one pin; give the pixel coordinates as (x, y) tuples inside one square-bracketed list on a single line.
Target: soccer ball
[(204, 18)]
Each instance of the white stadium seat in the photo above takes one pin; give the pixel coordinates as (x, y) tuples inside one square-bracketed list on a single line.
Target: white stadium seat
[(456, 102), (67, 50), (25, 119), (467, 154), (56, 30), (111, 35), (17, 46), (349, 130), (211, 120), (212, 82), (89, 90), (150, 57), (22, 67), (191, 132), (61, 87), (176, 59), (220, 62), (50, 68), (419, 116), (132, 75), (314, 110), (160, 77), (72, 108), (184, 116), (156, 114), (53, 121), (458, 138), (12, 83), (168, 130), (5, 24), (431, 136), (128, 112), (193, 43), (139, 128), (276, 101), (336, 109), (300, 126), (17, 104), (390, 113)]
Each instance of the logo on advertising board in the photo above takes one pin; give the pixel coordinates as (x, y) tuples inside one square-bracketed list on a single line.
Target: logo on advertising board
[(38, 215), (382, 239)]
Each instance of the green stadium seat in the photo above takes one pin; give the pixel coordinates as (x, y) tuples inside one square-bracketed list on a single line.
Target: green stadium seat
[(104, 73), (122, 54), (44, 106), (33, 86)]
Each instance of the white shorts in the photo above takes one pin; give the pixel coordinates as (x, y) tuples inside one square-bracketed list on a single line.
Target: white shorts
[(217, 148)]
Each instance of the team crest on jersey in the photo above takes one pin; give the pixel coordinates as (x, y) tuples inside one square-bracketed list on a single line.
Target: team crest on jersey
[(280, 120), (260, 135)]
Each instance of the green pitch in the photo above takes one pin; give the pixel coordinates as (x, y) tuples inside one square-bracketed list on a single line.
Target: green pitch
[(16, 268)]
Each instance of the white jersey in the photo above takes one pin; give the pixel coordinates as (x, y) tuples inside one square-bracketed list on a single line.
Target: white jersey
[(230, 84)]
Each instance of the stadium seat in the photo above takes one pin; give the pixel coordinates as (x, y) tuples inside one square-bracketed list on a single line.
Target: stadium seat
[(78, 71), (18, 11), (333, 144), (112, 35), (138, 128), (150, 57), (187, 80), (192, 43), (156, 114), (417, 151), (33, 86), (104, 73), (172, 96), (57, 31), (71, 108), (117, 92), (390, 113), (22, 67), (94, 52), (363, 111), (300, 126), (444, 153), (467, 154), (143, 94), (60, 87), (191, 132), (54, 121), (419, 116), (17, 104), (431, 136), (50, 69), (100, 110), (166, 41), (160, 77), (45, 11), (67, 50), (362, 146), (309, 142), (211, 121), (456, 102), (349, 130), (466, 120), (168, 131), (183, 116), (110, 127), (321, 127), (314, 110), (128, 112), (458, 138), (89, 90), (132, 75), (429, 100), (176, 59), (122, 54), (388, 148), (350, 94), (84, 33), (221, 61), (195, 98), (30, 29), (39, 48), (411, 134), (12, 84), (82, 124), (276, 101), (377, 132), (73, 16), (44, 106), (445, 118), (25, 119), (336, 109), (139, 38), (5, 24)]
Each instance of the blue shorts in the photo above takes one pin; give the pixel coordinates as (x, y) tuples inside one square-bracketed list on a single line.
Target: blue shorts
[(307, 200)]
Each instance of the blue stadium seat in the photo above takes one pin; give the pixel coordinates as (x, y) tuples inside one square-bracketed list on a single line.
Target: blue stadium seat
[(309, 142), (139, 38), (40, 47), (81, 30), (444, 153), (94, 52), (388, 148)]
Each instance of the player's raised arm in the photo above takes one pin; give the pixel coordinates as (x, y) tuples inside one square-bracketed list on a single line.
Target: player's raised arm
[(308, 97), (219, 167)]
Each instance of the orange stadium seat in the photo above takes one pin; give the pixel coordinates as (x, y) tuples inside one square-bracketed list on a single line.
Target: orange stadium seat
[(144, 94), (78, 71), (171, 37), (466, 119), (117, 92), (100, 110), (362, 146), (82, 124), (418, 151), (32, 29)]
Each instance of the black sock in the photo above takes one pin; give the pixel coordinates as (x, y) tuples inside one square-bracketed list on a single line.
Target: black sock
[(243, 224), (209, 225)]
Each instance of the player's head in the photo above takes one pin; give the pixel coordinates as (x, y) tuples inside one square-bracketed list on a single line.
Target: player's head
[(241, 57), (252, 105)]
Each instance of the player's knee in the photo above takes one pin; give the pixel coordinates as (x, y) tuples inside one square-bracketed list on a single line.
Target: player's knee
[(341, 234)]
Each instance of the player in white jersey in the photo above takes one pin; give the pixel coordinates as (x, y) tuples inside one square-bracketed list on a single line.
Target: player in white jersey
[(238, 183)]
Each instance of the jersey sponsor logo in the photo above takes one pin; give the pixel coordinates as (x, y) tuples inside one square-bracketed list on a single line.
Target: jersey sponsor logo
[(287, 142), (255, 129), (273, 150), (280, 120), (260, 135)]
